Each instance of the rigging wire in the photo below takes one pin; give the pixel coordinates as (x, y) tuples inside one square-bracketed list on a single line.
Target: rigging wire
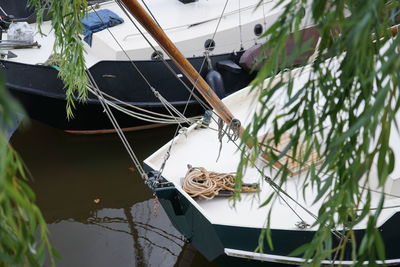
[(142, 75), (126, 143), (135, 160), (187, 26), (240, 28), (265, 20), (151, 13), (205, 105), (201, 102), (379, 192), (191, 91), (138, 70), (279, 190), (116, 126), (192, 94), (133, 106), (4, 12), (163, 118), (170, 107)]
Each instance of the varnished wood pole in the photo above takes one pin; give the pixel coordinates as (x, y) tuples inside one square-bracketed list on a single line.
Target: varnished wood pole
[(184, 65), (181, 62)]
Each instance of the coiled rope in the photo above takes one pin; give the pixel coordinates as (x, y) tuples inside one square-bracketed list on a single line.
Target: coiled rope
[(199, 182)]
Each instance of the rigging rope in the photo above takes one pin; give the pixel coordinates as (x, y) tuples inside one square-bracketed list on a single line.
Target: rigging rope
[(202, 103), (171, 109), (158, 95), (116, 126), (4, 12), (227, 183), (265, 20), (240, 28), (151, 13), (162, 118), (279, 191), (191, 91)]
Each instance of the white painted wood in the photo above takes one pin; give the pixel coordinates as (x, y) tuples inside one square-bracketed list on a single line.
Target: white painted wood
[(295, 260), (188, 26), (199, 147)]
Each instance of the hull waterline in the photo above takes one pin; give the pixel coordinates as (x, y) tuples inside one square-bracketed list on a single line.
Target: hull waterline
[(236, 246), (41, 92)]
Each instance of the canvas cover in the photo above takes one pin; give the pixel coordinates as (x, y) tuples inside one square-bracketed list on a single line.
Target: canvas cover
[(98, 21)]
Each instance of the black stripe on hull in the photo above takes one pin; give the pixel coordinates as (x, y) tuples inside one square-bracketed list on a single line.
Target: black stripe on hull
[(211, 240), (41, 92)]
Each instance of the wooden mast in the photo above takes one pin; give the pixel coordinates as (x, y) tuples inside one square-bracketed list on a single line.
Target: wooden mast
[(188, 70), (184, 65), (181, 62)]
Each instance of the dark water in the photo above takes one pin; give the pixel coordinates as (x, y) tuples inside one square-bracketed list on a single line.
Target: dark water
[(98, 210)]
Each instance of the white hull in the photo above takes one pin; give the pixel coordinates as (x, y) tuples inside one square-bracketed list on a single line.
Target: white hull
[(187, 25), (200, 148)]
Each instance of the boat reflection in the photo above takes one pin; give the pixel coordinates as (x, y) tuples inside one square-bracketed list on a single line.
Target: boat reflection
[(99, 212)]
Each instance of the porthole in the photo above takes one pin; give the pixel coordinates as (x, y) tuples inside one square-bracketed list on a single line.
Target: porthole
[(258, 29), (157, 55), (209, 44)]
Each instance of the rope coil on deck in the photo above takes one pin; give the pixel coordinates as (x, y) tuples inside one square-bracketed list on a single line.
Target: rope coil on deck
[(199, 182)]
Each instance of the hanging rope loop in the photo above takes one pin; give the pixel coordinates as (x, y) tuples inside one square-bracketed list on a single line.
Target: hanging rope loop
[(234, 129)]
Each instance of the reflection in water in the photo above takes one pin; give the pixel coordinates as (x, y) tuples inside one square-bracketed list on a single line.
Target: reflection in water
[(98, 211)]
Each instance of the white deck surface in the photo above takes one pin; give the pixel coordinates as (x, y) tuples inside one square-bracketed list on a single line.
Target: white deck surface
[(200, 149), (187, 25)]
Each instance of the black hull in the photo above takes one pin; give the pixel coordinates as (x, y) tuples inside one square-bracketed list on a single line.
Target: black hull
[(211, 239), (42, 95)]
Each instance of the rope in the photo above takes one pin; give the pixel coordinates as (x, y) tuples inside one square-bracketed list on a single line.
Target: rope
[(153, 118), (240, 27), (116, 126), (199, 182), (265, 21), (171, 109), (161, 119), (166, 104), (205, 105), (191, 91), (232, 130), (4, 12), (151, 13)]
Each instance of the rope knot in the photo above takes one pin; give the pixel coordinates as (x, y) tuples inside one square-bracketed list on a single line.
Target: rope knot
[(232, 130)]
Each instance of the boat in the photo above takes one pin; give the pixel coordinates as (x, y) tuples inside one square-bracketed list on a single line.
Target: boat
[(224, 234), (211, 35), (231, 236)]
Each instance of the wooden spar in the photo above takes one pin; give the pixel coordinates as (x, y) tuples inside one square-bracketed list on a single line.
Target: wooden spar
[(184, 66), (181, 62), (187, 69)]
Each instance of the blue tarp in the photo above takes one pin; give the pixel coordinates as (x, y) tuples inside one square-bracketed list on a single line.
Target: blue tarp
[(98, 21)]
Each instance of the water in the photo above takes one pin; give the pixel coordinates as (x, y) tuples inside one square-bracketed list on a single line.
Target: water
[(98, 210)]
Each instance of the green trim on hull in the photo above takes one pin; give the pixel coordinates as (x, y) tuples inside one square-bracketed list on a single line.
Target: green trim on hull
[(188, 220), (211, 239)]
